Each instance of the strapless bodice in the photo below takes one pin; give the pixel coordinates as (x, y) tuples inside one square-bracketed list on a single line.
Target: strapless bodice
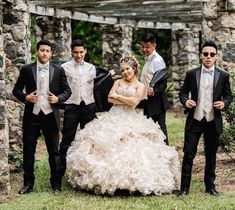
[(126, 91)]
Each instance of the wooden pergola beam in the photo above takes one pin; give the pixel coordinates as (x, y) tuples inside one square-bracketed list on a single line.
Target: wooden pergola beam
[(168, 11), (137, 13)]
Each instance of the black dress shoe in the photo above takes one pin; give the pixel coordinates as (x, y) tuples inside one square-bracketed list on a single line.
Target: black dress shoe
[(56, 190), (182, 193), (26, 189), (212, 191)]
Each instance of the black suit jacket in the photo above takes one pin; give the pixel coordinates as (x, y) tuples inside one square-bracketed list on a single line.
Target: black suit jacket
[(102, 86), (158, 103), (221, 92), (27, 83)]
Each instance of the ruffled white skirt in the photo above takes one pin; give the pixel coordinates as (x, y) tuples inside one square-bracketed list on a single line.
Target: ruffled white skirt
[(123, 149)]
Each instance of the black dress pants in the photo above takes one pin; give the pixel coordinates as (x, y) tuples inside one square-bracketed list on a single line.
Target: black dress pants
[(73, 115), (211, 143), (46, 124)]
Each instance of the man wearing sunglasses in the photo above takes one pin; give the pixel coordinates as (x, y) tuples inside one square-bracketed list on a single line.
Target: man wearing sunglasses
[(205, 93)]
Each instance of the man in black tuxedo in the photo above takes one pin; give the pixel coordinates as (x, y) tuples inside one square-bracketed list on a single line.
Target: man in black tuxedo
[(42, 86), (155, 101), (210, 92)]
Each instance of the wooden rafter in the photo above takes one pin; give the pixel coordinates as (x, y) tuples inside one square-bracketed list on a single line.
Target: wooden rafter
[(168, 11)]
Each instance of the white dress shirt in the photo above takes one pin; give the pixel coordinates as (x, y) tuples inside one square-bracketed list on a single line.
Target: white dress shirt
[(154, 62)]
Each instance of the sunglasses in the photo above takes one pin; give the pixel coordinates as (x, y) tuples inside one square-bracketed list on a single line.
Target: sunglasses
[(212, 54)]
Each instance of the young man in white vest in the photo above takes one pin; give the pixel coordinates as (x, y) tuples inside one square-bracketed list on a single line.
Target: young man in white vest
[(80, 107)]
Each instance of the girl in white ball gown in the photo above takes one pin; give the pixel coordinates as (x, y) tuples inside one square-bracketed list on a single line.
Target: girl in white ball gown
[(122, 149)]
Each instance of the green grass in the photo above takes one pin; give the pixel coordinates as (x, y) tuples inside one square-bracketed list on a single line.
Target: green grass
[(175, 127), (43, 199), (69, 199)]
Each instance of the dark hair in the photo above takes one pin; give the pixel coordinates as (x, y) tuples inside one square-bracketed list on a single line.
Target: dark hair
[(78, 43), (44, 42), (148, 37), (209, 43)]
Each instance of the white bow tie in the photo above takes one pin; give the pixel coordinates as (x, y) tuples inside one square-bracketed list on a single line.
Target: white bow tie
[(204, 70), (44, 66)]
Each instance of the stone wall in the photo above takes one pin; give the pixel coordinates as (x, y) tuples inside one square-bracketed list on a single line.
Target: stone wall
[(185, 56), (58, 31), (117, 39), (218, 24), (4, 127), (17, 46)]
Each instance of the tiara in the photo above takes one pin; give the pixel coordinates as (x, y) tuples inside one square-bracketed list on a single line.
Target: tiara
[(129, 63)]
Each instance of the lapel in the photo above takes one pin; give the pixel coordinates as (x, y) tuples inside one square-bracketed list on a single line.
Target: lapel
[(216, 79), (34, 71), (198, 77), (51, 73)]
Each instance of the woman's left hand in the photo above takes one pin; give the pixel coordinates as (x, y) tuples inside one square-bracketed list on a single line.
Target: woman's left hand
[(113, 95)]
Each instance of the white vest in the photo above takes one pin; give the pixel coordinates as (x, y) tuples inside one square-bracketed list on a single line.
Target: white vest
[(81, 81), (204, 106), (42, 91)]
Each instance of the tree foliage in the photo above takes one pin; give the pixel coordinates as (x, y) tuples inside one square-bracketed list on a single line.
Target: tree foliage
[(91, 34)]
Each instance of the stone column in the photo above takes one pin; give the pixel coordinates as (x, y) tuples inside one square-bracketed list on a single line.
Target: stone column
[(58, 31), (117, 40), (185, 56), (218, 24), (17, 45), (4, 130)]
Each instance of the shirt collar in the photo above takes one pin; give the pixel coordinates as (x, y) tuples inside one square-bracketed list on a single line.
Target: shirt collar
[(150, 56), (42, 64), (78, 64)]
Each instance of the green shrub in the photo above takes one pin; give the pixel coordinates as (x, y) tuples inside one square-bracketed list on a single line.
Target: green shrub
[(228, 136)]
